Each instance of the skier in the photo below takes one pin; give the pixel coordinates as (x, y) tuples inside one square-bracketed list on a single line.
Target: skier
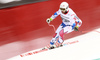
[(70, 22)]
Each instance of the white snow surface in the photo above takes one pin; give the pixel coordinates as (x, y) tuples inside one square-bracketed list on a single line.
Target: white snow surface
[(87, 48)]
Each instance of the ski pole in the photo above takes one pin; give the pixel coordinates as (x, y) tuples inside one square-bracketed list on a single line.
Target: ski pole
[(52, 26)]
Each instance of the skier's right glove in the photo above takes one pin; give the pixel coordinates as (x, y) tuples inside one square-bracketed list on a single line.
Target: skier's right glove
[(48, 20), (76, 28)]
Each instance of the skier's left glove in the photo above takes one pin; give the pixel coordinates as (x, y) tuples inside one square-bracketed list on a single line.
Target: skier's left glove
[(76, 28)]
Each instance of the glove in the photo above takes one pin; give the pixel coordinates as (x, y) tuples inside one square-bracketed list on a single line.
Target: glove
[(48, 20), (76, 28)]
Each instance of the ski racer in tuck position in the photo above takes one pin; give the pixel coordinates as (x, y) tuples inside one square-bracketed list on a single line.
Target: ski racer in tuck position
[(70, 22)]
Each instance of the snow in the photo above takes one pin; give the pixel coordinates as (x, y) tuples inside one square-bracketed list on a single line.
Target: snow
[(87, 47)]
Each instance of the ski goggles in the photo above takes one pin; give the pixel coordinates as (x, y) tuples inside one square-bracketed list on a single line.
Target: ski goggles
[(62, 9)]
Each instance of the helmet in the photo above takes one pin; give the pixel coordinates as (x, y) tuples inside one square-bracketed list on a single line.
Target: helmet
[(64, 6)]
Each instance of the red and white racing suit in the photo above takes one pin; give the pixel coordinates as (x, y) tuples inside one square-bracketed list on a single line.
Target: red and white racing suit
[(69, 21)]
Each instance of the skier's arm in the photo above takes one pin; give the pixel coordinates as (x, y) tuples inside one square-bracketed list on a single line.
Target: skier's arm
[(78, 21), (53, 17)]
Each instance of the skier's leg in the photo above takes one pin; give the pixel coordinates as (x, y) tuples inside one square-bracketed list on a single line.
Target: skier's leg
[(53, 41), (65, 30), (56, 35)]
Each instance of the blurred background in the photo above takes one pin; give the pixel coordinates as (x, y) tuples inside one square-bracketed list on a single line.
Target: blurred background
[(23, 24)]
